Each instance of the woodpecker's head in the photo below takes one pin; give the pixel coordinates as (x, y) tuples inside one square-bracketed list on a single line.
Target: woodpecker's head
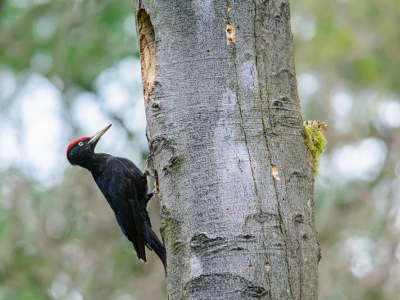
[(80, 151)]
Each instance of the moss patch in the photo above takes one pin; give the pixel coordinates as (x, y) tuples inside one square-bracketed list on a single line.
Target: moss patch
[(313, 132)]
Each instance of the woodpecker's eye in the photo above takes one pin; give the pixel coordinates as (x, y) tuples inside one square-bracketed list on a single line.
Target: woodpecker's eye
[(80, 143)]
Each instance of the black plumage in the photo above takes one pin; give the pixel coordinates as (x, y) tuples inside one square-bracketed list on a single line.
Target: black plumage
[(125, 188)]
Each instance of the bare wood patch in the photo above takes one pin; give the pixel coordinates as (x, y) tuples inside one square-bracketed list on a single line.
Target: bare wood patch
[(147, 48), (275, 172), (230, 33), (267, 266)]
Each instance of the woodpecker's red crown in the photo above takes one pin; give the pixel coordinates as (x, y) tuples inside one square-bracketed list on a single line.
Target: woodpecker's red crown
[(83, 138)]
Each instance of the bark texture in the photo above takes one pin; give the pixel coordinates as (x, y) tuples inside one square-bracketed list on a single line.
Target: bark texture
[(224, 125)]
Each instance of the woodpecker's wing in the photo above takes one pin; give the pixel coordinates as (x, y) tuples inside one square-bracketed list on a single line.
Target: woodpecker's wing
[(140, 182), (121, 194), (139, 179), (133, 169)]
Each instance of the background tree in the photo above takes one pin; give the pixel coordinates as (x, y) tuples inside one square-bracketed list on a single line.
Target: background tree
[(69, 68)]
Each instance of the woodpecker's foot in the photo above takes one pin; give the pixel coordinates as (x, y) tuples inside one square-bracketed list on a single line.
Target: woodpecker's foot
[(148, 173), (149, 196), (151, 175)]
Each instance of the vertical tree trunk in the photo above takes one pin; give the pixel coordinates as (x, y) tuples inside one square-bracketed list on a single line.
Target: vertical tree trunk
[(224, 125)]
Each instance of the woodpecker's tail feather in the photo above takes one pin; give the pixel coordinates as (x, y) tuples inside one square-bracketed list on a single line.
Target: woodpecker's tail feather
[(141, 253), (154, 244)]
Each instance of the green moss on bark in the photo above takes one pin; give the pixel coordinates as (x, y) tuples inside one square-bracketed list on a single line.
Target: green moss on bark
[(313, 132)]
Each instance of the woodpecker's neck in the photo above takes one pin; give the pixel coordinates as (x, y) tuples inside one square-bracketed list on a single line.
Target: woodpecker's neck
[(88, 161), (95, 163)]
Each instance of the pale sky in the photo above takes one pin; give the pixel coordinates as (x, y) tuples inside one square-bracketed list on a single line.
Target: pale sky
[(35, 134)]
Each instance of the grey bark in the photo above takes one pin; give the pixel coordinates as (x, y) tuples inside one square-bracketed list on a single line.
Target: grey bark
[(224, 125)]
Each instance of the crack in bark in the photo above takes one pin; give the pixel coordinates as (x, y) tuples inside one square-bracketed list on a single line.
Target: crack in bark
[(282, 223), (242, 122), (264, 130), (250, 159)]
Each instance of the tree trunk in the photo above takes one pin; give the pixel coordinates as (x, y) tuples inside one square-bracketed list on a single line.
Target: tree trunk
[(225, 127)]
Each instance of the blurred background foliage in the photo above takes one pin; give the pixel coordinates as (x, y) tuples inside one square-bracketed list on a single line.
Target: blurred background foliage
[(68, 68)]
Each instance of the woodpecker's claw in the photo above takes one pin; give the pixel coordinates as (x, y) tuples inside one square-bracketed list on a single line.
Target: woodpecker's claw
[(148, 173)]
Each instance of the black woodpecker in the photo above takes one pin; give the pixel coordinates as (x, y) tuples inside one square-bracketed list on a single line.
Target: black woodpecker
[(125, 188)]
